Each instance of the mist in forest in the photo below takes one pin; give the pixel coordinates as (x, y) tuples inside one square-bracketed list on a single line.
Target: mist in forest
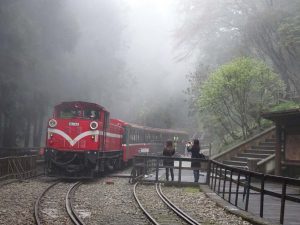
[(115, 53), (145, 61), (126, 50)]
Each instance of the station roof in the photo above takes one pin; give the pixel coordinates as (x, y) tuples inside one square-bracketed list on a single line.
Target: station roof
[(283, 116)]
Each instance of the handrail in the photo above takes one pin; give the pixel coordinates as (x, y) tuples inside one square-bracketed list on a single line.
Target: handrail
[(225, 173), (18, 151), (243, 143), (269, 158), (18, 167), (143, 163)]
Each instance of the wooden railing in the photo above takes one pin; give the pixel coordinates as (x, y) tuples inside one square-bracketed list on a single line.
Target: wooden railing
[(227, 182), (232, 184), (227, 154), (146, 164), (17, 167), (9, 152)]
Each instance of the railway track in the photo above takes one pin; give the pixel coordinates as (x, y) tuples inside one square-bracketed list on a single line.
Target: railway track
[(158, 208), (55, 205)]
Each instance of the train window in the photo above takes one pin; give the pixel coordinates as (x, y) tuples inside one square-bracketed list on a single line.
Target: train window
[(91, 114), (69, 113)]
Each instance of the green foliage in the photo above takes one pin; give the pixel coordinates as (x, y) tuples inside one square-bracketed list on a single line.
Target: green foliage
[(285, 106), (236, 94)]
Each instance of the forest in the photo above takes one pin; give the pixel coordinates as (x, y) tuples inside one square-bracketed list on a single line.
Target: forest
[(247, 63), (245, 53)]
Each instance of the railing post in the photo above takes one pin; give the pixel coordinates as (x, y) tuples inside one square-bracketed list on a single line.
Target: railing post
[(219, 183), (224, 183), (230, 185), (262, 191), (237, 188), (283, 196), (215, 175), (179, 172), (248, 191), (145, 165), (212, 175), (134, 170), (208, 173), (157, 169)]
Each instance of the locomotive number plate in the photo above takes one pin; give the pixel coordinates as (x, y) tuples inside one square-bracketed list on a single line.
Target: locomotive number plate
[(73, 124)]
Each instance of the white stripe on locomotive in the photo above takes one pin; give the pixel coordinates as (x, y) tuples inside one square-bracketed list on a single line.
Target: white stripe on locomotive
[(82, 135)]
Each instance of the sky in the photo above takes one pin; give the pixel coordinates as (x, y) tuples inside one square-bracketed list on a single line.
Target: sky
[(146, 54), (151, 53)]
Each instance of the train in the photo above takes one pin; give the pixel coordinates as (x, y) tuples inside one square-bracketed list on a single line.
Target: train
[(84, 142)]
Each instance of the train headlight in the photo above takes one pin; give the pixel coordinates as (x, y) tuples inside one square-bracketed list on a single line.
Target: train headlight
[(52, 123), (93, 125)]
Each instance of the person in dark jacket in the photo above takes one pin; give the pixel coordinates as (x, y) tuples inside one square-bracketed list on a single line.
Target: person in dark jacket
[(169, 151), (195, 150)]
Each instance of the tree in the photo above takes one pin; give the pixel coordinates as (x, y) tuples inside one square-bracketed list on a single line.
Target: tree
[(236, 94), (273, 32), (35, 36), (221, 30)]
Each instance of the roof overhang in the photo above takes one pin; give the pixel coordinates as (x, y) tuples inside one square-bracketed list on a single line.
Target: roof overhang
[(291, 116)]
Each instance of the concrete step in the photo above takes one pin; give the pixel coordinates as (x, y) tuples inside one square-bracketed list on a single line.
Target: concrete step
[(271, 140), (234, 163), (238, 167), (267, 144), (264, 147), (240, 159), (259, 151), (251, 155)]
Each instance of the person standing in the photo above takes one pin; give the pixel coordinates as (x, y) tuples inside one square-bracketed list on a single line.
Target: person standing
[(169, 151), (187, 147), (195, 150)]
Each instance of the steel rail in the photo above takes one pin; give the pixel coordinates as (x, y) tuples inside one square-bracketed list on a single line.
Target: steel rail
[(141, 206), (37, 204), (172, 206), (69, 206)]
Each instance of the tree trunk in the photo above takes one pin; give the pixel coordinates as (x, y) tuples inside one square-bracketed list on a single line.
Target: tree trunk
[(9, 136), (35, 131), (1, 129), (27, 132), (40, 130)]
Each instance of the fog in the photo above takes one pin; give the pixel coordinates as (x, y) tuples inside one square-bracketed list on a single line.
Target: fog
[(150, 57), (116, 53), (127, 49), (145, 61)]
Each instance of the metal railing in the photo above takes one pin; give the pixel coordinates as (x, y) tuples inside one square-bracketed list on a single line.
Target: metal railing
[(227, 182), (232, 184), (9, 152), (18, 167), (146, 164)]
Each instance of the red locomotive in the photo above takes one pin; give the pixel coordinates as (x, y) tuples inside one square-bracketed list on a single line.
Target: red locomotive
[(83, 141)]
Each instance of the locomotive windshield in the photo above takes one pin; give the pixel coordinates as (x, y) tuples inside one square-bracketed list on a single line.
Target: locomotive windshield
[(79, 113)]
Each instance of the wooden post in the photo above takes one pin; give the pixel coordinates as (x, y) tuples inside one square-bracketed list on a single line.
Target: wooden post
[(283, 197), (179, 172), (262, 192), (278, 150), (208, 173), (230, 185), (157, 169), (237, 188), (248, 191), (224, 183)]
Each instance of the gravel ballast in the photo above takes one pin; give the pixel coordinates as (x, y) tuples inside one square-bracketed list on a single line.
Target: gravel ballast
[(108, 201)]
